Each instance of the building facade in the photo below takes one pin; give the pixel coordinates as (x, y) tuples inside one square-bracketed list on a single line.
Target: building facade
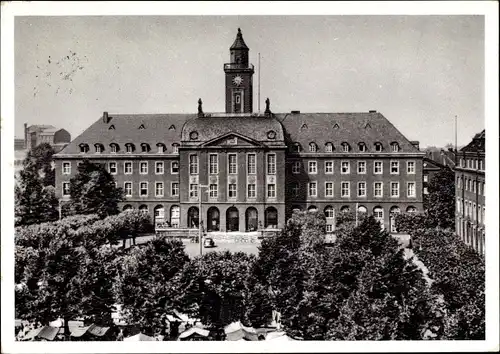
[(243, 171), (470, 193), (37, 134)]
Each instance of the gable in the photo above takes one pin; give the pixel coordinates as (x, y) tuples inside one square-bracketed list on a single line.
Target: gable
[(232, 140)]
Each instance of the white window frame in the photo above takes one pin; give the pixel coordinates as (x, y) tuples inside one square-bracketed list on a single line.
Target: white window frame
[(157, 183), (332, 189), (109, 167), (375, 167), (98, 148), (313, 147), (252, 171), (157, 164), (408, 170), (62, 186), (395, 147), (114, 148), (213, 167), (254, 191), (381, 189), (348, 195), (296, 167), (271, 167), (172, 167), (235, 164), (309, 185), (269, 190), (362, 147), (329, 228), (235, 190), (174, 192), (348, 167), (125, 167), (295, 189), (362, 163), (310, 164), (414, 195), (175, 148), (131, 188), (345, 147), (129, 149), (193, 164), (365, 189), (213, 193), (161, 148), (140, 189), (378, 147), (426, 179), (68, 165), (328, 147), (390, 167), (193, 190), (327, 171), (140, 167), (394, 196)]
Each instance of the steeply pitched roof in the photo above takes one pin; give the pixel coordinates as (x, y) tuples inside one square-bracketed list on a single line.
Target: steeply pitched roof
[(239, 43), (352, 128), (478, 143), (124, 128)]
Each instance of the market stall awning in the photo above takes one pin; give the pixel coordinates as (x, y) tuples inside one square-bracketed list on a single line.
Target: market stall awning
[(193, 331), (139, 338)]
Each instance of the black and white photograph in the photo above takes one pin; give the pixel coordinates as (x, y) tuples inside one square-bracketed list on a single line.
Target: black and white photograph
[(310, 178)]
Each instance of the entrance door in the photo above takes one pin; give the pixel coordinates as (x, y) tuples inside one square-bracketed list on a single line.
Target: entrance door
[(193, 217), (251, 219), (213, 219), (232, 219)]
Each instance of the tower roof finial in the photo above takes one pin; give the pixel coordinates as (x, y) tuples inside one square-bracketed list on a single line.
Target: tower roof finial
[(239, 43)]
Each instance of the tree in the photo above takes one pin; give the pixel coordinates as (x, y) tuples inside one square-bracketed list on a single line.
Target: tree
[(441, 199), (93, 191), (40, 160)]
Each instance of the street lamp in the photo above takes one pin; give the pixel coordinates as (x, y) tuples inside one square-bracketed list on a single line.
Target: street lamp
[(200, 186)]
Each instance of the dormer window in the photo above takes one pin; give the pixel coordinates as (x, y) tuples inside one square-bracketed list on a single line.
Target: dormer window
[(329, 147), (395, 147), (114, 147), (345, 147), (129, 147), (145, 147), (84, 148), (172, 127), (362, 147), (142, 127), (313, 147), (378, 147), (161, 148), (175, 148), (296, 147), (99, 148)]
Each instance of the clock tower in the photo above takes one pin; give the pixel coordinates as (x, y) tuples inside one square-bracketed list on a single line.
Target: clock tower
[(239, 73)]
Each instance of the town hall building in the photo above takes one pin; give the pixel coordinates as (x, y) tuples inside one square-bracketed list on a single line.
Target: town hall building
[(251, 170)]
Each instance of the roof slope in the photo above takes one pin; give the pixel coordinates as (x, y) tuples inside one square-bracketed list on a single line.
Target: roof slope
[(239, 43), (352, 128), (478, 143), (124, 128)]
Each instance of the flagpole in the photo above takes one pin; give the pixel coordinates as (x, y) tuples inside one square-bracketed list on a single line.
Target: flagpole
[(357, 214), (258, 100)]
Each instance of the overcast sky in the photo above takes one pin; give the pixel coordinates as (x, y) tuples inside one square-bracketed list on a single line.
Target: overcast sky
[(419, 71)]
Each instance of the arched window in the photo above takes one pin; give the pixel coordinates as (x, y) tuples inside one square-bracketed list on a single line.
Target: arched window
[(129, 147), (362, 209), (392, 218), (345, 209), (378, 147), (395, 147), (193, 217), (378, 214), (345, 147), (175, 148), (251, 219), (213, 219), (114, 147), (296, 208), (99, 148), (143, 208), (232, 219), (362, 147), (161, 148), (175, 215), (411, 209), (328, 147), (296, 147), (84, 148), (128, 207), (271, 218), (313, 147), (329, 212), (312, 209), (145, 147)]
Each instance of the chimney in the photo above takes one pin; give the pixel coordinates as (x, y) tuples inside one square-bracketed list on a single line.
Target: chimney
[(25, 135), (105, 117), (416, 144), (372, 111), (295, 112)]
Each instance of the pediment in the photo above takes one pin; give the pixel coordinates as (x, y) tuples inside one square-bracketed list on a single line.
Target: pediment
[(232, 140)]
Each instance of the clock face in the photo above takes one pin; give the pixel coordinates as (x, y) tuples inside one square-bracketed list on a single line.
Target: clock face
[(238, 80)]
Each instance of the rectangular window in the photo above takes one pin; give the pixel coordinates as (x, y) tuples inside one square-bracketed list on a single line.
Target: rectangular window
[(313, 167), (271, 164), (65, 189), (232, 192), (213, 190), (251, 190), (112, 168), (193, 190), (426, 178), (271, 191), (233, 164), (66, 168), (175, 148), (174, 167), (361, 189), (159, 190), (159, 168), (394, 189), (251, 164), (394, 167), (329, 228), (313, 189), (128, 168), (143, 191), (378, 168), (345, 168), (329, 167), (193, 164), (295, 189), (174, 189), (378, 190), (411, 193), (296, 167), (410, 167), (213, 164), (128, 189), (143, 168), (345, 190), (361, 167), (329, 189)]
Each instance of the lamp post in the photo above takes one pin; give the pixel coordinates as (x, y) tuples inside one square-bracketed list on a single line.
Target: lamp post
[(200, 224)]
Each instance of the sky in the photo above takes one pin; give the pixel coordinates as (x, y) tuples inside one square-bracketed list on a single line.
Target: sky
[(418, 71)]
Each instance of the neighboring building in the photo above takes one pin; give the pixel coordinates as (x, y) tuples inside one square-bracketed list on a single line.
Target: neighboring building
[(37, 134), (251, 170), (470, 193)]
